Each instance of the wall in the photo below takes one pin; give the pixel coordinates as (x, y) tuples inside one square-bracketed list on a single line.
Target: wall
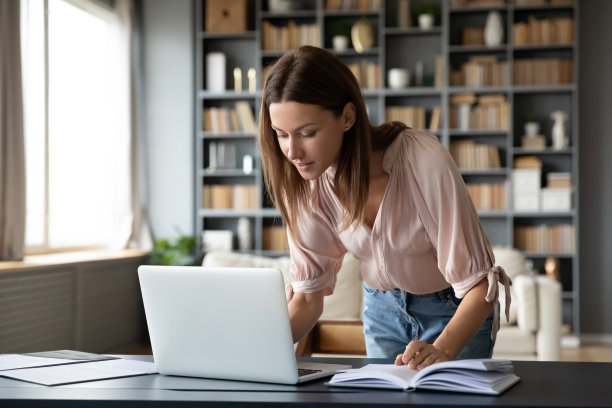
[(168, 92), (169, 73), (595, 240)]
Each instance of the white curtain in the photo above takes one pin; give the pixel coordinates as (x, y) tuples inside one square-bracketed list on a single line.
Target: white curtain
[(140, 235), (12, 156)]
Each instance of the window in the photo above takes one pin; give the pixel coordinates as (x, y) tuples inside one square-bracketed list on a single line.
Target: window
[(77, 125)]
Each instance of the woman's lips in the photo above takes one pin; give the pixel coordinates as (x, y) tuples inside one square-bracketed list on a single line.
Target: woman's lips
[(303, 166)]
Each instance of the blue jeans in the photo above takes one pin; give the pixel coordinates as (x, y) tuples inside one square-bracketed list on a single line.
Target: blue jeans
[(393, 318)]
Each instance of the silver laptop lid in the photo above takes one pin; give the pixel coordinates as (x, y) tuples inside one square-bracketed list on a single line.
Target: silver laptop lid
[(224, 323)]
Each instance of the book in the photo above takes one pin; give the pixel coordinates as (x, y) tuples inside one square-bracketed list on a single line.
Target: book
[(479, 376)]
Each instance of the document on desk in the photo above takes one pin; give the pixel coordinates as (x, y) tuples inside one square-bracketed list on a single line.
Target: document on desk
[(83, 372), (47, 358)]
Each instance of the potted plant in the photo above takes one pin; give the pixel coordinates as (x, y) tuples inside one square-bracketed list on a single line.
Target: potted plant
[(340, 33), (426, 15), (184, 251)]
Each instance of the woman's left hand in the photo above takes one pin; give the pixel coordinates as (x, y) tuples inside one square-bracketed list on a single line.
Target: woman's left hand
[(420, 354)]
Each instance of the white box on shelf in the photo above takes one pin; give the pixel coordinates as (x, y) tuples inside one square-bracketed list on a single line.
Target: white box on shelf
[(526, 180), (526, 201), (217, 240), (556, 199)]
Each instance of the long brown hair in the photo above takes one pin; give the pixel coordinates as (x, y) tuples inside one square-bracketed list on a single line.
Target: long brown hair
[(312, 75)]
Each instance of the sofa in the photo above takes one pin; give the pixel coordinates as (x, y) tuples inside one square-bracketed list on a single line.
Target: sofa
[(532, 333)]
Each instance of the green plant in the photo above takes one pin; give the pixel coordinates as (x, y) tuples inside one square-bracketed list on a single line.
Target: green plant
[(181, 252), (340, 28), (427, 8)]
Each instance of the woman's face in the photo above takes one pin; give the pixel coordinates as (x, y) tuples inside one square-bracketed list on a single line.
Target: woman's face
[(309, 136)]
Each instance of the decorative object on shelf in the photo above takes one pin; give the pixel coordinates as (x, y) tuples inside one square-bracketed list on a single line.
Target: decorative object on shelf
[(281, 6), (237, 80), (215, 71), (552, 266), (533, 139), (247, 164), (404, 17), (426, 15), (494, 29), (559, 134), (245, 234), (398, 78), (362, 35), (226, 15), (252, 74), (340, 36)]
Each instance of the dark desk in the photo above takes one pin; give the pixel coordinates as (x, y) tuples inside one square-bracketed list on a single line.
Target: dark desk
[(544, 384)]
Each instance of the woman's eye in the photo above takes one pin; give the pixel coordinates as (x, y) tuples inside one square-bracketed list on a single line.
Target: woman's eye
[(309, 134)]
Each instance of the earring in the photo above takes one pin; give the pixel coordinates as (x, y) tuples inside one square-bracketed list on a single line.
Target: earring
[(346, 129)]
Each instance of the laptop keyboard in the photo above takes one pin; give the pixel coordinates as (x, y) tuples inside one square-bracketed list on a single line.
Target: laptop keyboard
[(305, 371)]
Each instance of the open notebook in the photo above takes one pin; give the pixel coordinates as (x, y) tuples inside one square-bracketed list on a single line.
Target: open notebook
[(223, 323)]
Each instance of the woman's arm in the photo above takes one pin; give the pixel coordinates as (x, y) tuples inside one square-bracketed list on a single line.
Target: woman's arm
[(304, 311), (470, 315)]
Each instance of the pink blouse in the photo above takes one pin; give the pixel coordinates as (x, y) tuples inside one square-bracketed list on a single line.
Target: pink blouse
[(426, 235)]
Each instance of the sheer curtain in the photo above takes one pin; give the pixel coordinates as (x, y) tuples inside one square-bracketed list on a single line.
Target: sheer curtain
[(12, 156)]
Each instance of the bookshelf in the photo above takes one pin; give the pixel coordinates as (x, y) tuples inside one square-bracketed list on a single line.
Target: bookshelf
[(475, 98)]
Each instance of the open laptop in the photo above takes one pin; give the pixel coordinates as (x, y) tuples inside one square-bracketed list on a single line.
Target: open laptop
[(222, 323)]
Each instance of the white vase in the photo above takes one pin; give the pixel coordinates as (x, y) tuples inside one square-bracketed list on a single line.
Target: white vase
[(426, 21), (494, 29), (340, 43)]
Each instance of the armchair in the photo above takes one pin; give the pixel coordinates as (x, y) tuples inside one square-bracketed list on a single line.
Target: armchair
[(533, 333)]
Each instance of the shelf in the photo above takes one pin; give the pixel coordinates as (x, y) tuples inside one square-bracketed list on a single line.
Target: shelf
[(246, 35), (492, 213), (412, 31), (413, 91), (204, 94), (480, 8), (227, 135), (479, 90), (543, 47), (477, 132), (476, 48), (227, 173), (518, 151), (351, 13), (547, 254), (541, 89), (489, 172), (288, 15), (544, 214)]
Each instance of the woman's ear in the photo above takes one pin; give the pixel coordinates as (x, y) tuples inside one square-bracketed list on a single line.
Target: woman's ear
[(349, 115)]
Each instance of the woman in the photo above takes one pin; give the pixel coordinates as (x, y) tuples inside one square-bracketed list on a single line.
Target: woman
[(391, 196)]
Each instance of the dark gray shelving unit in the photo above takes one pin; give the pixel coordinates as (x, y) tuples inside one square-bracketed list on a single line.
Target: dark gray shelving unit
[(403, 47)]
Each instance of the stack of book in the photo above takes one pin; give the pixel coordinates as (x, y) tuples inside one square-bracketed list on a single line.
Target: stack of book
[(543, 71), (274, 238), (290, 36), (545, 239), (557, 196), (223, 196), (413, 116), (479, 71), (488, 196), (485, 112), (544, 31), (470, 155), (367, 74), (526, 183), (224, 119)]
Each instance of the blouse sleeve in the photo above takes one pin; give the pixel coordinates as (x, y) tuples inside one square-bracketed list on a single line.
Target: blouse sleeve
[(316, 255), (463, 250)]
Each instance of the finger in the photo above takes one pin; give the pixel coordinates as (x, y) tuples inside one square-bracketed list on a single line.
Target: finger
[(398, 360), (429, 360), (413, 349)]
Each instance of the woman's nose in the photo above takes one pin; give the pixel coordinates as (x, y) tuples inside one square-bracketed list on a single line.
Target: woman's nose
[(294, 148)]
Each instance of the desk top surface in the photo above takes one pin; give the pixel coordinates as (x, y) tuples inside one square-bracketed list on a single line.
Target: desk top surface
[(544, 384)]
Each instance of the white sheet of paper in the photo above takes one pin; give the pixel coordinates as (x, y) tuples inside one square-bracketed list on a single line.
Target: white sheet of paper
[(13, 361), (90, 371)]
